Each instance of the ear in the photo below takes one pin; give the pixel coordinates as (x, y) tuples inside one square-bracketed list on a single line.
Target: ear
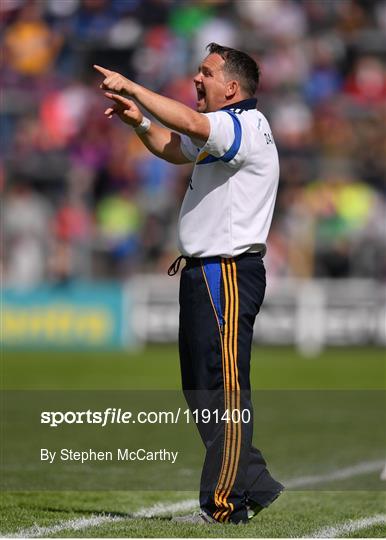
[(231, 88)]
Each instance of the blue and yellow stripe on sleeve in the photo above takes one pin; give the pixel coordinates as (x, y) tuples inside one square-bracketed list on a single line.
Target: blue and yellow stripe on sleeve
[(204, 158)]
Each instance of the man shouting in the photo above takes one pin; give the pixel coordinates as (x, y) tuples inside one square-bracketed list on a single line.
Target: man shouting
[(222, 232)]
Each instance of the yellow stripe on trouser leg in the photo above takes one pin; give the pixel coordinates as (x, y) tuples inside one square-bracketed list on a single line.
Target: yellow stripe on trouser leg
[(226, 375), (226, 455), (231, 290), (236, 389), (227, 508)]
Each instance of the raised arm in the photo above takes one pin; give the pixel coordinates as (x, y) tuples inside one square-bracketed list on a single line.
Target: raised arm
[(161, 141), (164, 143), (169, 112)]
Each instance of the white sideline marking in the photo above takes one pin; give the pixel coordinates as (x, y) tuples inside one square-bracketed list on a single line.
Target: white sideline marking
[(72, 524), (340, 474), (159, 509), (350, 526)]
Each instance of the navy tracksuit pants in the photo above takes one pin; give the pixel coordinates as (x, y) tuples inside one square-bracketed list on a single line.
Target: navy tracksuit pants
[(219, 300)]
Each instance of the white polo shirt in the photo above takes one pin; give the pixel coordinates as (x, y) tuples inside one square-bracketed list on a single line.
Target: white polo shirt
[(229, 203)]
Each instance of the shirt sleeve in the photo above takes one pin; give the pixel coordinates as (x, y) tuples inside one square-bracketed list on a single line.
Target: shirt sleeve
[(188, 148), (225, 135)]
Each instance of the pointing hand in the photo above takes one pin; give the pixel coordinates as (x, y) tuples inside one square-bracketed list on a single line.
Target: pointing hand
[(115, 82)]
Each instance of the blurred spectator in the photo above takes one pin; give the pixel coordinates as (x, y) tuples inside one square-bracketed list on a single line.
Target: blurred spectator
[(73, 233), (367, 83), (31, 46), (285, 66), (91, 23), (64, 111), (292, 123), (324, 80), (276, 18), (344, 212), (117, 229), (162, 57), (27, 235)]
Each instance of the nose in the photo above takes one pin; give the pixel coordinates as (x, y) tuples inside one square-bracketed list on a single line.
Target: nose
[(198, 77)]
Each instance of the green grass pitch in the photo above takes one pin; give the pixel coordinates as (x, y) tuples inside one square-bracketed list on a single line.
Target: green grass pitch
[(332, 502)]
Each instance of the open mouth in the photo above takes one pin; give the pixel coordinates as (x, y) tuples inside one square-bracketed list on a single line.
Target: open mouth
[(200, 94)]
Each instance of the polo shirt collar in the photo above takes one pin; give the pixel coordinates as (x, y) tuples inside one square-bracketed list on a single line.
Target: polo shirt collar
[(243, 105)]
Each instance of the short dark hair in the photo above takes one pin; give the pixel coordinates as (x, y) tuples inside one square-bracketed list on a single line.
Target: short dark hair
[(239, 64)]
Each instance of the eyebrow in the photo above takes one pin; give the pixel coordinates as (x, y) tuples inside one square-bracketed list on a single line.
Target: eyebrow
[(204, 66)]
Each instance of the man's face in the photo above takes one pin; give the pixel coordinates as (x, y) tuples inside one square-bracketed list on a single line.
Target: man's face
[(210, 84)]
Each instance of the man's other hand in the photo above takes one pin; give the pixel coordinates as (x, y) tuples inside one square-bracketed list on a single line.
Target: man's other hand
[(126, 109)]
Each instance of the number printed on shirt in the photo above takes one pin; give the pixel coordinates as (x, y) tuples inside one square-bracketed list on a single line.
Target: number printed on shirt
[(268, 138)]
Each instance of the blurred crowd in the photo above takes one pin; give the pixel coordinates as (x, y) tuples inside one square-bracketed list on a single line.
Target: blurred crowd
[(82, 197)]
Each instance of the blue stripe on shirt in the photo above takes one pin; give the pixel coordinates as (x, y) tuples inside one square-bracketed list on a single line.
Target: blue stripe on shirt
[(230, 154)]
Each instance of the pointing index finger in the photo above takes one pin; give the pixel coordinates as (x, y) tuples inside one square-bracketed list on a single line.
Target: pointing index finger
[(102, 70), (117, 98)]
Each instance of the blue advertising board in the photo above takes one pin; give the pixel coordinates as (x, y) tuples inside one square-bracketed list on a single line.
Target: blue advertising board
[(71, 316)]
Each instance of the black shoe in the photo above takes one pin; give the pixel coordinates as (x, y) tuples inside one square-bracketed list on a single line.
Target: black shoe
[(253, 508)]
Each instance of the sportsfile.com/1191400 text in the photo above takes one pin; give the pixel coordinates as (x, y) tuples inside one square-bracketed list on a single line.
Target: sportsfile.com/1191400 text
[(113, 415)]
